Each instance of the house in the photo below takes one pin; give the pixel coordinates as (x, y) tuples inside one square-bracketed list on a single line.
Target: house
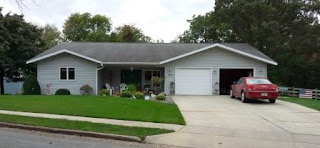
[(12, 87), (187, 69)]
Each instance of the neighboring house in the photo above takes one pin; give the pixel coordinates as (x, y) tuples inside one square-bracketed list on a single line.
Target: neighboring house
[(12, 87), (187, 69)]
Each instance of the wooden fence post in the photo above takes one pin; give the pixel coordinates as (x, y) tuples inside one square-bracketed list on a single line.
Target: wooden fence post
[(293, 94)]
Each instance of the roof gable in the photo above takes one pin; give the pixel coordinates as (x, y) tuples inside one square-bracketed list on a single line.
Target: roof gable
[(266, 59)]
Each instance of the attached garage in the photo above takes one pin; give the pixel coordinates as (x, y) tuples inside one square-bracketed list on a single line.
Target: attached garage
[(229, 75), (193, 81), (212, 70)]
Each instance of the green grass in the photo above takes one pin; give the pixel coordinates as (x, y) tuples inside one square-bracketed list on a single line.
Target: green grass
[(84, 126), (95, 106), (314, 104)]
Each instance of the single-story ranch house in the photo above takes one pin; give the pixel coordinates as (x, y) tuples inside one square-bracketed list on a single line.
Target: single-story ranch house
[(187, 69)]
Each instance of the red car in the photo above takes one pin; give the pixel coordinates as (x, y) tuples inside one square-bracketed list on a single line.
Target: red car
[(254, 88)]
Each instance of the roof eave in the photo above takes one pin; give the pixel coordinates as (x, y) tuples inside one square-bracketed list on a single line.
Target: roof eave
[(131, 63), (62, 51)]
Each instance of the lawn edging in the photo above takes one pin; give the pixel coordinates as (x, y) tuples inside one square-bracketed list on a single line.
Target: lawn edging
[(72, 132)]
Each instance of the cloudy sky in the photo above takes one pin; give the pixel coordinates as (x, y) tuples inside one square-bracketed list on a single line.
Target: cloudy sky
[(160, 19)]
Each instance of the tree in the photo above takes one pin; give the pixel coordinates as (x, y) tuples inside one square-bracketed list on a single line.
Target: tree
[(287, 31), (129, 33), (85, 27), (51, 36), (20, 41), (156, 81)]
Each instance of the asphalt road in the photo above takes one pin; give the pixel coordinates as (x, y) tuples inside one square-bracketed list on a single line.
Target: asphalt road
[(15, 138)]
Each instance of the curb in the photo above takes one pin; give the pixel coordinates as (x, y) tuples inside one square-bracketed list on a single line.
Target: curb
[(72, 132)]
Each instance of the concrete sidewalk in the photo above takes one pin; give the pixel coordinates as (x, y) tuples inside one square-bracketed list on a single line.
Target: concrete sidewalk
[(174, 127), (219, 121)]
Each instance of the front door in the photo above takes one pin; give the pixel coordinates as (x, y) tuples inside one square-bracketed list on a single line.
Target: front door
[(131, 77)]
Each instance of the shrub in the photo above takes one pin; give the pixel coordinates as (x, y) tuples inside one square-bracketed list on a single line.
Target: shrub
[(104, 92), (62, 92), (161, 97), (139, 95), (126, 94), (86, 90), (31, 86), (132, 88)]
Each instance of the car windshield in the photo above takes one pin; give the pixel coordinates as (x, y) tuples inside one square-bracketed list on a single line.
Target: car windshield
[(258, 81)]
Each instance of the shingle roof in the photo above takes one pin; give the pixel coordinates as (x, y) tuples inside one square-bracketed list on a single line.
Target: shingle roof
[(141, 52)]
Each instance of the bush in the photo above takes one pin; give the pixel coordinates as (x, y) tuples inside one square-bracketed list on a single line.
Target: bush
[(86, 90), (104, 92), (139, 95), (31, 86), (62, 92), (126, 94), (161, 97), (132, 88)]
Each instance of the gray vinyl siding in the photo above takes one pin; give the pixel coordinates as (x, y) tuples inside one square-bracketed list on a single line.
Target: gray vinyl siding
[(214, 58), (48, 71)]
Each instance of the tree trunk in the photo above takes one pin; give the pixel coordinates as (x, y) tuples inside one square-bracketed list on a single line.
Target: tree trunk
[(1, 83)]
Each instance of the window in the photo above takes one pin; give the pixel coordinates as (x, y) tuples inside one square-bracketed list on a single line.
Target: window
[(67, 73), (258, 81), (156, 74), (63, 73), (149, 74), (71, 73), (240, 81)]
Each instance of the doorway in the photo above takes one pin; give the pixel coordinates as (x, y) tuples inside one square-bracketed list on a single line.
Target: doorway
[(228, 76), (131, 77)]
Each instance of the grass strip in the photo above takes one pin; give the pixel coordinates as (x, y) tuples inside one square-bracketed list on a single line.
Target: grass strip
[(140, 132)]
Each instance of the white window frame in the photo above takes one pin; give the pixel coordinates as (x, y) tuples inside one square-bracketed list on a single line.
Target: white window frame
[(67, 75)]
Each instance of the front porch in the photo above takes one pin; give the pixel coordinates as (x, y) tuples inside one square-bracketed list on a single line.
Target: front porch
[(140, 76)]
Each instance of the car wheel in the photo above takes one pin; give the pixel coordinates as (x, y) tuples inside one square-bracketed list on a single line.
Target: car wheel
[(272, 100), (243, 97), (231, 94)]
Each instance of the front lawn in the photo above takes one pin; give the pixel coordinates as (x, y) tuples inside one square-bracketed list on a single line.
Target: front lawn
[(314, 104), (95, 106), (141, 132)]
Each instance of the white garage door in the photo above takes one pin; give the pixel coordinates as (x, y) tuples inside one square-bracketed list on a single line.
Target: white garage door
[(193, 81)]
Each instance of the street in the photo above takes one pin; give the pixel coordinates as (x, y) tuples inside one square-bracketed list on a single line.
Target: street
[(15, 138)]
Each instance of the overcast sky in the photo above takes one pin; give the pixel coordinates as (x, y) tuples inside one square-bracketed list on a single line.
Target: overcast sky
[(159, 19)]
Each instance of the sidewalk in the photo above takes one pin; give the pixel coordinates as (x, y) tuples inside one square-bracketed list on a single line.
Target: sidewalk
[(174, 127)]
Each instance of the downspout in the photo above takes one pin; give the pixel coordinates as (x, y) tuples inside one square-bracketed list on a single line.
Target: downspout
[(97, 72)]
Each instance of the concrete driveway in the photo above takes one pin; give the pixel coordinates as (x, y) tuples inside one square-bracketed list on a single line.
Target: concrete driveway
[(219, 121)]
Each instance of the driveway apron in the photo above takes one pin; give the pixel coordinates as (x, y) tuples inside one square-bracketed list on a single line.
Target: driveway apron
[(219, 121)]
